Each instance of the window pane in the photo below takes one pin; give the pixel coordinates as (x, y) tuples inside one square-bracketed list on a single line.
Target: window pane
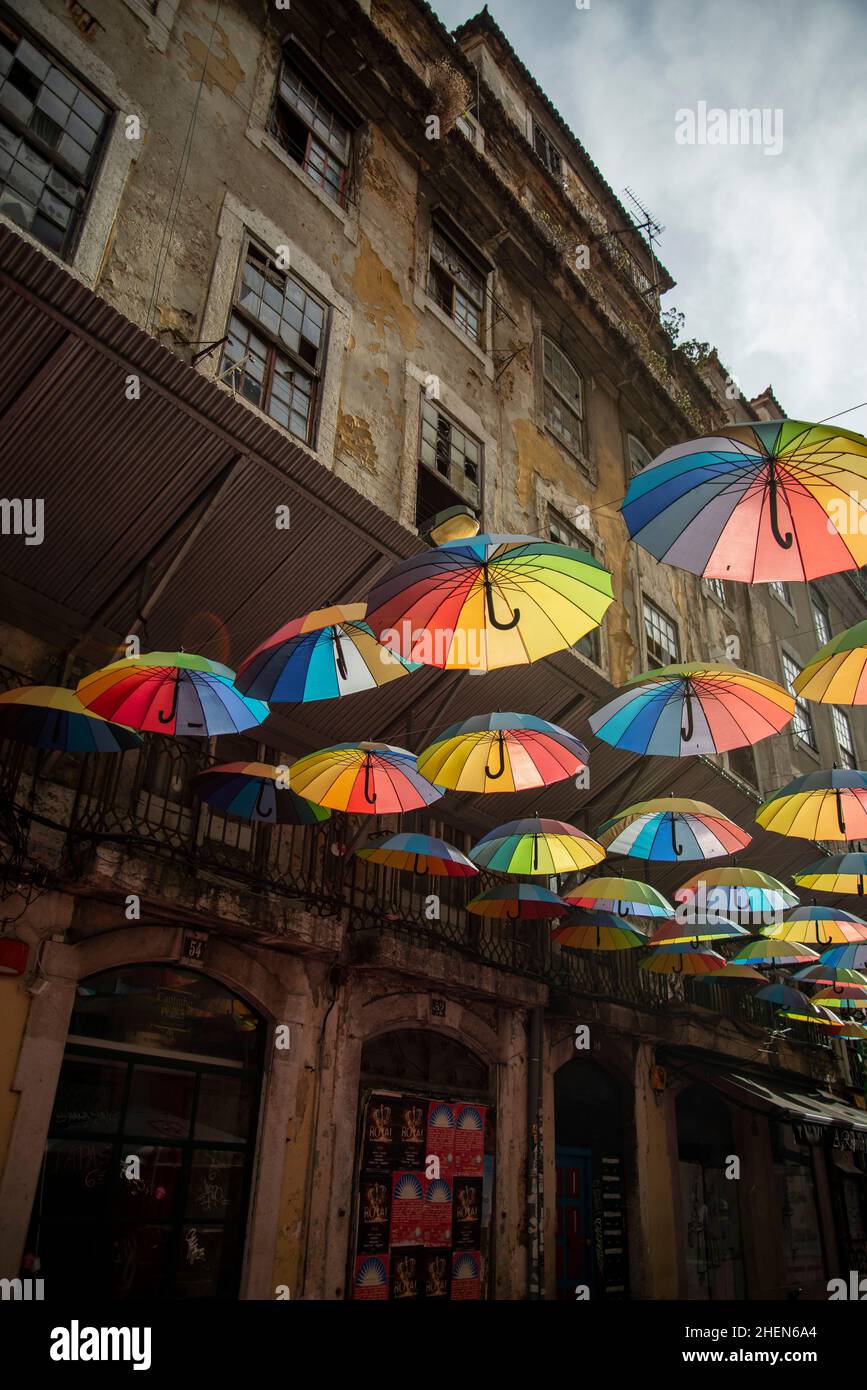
[(160, 1102), (224, 1108), (216, 1185), (89, 1096), (661, 636)]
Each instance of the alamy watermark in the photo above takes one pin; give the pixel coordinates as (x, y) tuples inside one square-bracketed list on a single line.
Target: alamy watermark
[(737, 126), (23, 516)]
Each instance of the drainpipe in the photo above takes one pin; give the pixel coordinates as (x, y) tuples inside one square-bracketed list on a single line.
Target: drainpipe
[(534, 1157)]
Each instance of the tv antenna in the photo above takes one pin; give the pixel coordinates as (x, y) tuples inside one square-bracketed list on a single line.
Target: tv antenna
[(645, 222)]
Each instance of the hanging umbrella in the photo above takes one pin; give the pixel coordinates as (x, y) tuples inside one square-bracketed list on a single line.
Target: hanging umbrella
[(489, 601), (819, 926), (254, 792), (848, 998), (420, 854), (774, 953), (502, 753), (327, 653), (629, 897), (368, 778), (171, 693), (671, 828), (791, 1003), (838, 873), (823, 974), (536, 846), (53, 718), (757, 502), (738, 974), (819, 806), (837, 674), (597, 931), (685, 710), (851, 1030), (518, 901), (746, 895), (695, 930), (682, 959)]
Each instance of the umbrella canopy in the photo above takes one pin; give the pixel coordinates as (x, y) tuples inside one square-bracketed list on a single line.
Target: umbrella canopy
[(849, 998), (838, 873), (846, 957), (255, 792), (828, 805), (774, 953), (625, 896), (852, 1030), (53, 718), (367, 778), (171, 693), (502, 753), (682, 959), (536, 846), (420, 854), (327, 653), (597, 931), (696, 929), (738, 974), (746, 895), (837, 674), (489, 601), (792, 1003), (757, 502), (671, 828), (821, 974), (518, 901), (819, 926), (684, 710)]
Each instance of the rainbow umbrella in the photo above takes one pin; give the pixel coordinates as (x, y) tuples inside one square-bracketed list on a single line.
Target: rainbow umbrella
[(489, 601), (255, 792), (791, 1003), (682, 959), (819, 806), (696, 929), (819, 926), (837, 674), (849, 998), (53, 718), (852, 1030), (536, 846), (171, 693), (685, 710), (518, 901), (838, 873), (746, 895), (757, 502), (626, 896), (597, 931), (671, 828), (823, 974), (327, 653), (368, 778), (502, 753), (774, 953), (738, 974), (421, 854)]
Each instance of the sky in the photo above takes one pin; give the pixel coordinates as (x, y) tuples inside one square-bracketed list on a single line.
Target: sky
[(769, 250)]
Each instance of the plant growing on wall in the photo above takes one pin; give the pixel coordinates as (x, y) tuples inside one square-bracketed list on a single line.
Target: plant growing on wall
[(452, 93)]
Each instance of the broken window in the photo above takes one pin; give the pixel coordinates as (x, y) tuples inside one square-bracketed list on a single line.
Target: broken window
[(456, 285), (564, 397), (312, 133), (450, 460), (547, 151)]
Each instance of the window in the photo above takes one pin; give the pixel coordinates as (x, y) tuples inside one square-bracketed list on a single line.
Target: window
[(639, 457), (312, 133), (276, 344), (802, 722), (563, 533), (843, 735), (51, 133), (782, 591), (717, 588), (660, 634), (564, 397), (450, 464), (821, 620), (456, 285), (547, 151)]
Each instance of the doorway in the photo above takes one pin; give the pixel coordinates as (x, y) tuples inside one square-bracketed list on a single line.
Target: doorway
[(709, 1200)]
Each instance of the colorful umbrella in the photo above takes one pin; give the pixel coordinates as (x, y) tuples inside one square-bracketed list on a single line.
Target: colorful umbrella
[(774, 953), (518, 901), (849, 957), (696, 929), (536, 846), (837, 674), (738, 974), (791, 1003), (682, 959), (849, 998), (597, 931), (823, 974), (255, 792), (839, 873), (819, 806), (53, 718), (685, 710), (671, 828), (363, 778), (746, 895), (852, 1030), (420, 854), (502, 753), (819, 926), (327, 653), (490, 601), (627, 896), (171, 693), (758, 502)]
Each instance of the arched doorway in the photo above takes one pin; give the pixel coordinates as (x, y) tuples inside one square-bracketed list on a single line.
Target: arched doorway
[(145, 1181), (709, 1200), (589, 1121), (423, 1193)]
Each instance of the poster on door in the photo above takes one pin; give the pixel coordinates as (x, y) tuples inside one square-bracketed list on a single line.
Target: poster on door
[(370, 1277), (407, 1208), (441, 1135)]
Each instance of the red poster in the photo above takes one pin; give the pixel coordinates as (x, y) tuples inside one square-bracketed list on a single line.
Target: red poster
[(407, 1209), (437, 1213), (441, 1135), (466, 1274), (370, 1277), (469, 1141)]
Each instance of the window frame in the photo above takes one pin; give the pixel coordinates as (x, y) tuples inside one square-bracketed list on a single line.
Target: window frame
[(632, 439), (477, 503), (845, 750), (782, 593), (335, 110), (579, 540), (539, 135), (459, 246), (579, 452), (655, 610), (820, 611), (802, 727)]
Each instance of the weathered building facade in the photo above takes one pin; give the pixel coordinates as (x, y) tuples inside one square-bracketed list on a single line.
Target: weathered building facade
[(335, 260)]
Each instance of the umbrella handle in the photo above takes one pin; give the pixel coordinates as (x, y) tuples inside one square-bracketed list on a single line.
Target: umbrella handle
[(371, 800), (535, 853), (678, 849), (861, 883), (338, 654), (168, 718), (259, 809), (840, 818), (785, 542), (687, 733), (492, 617), (494, 775), (513, 916)]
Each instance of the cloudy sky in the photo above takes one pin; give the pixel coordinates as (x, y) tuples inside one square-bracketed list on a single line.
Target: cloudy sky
[(768, 251)]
